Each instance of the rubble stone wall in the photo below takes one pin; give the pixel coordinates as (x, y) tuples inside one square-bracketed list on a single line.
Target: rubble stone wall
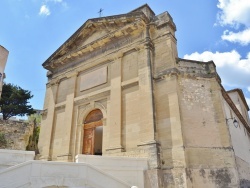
[(16, 134)]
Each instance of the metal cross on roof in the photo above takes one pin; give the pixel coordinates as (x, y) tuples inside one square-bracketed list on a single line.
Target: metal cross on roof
[(100, 12)]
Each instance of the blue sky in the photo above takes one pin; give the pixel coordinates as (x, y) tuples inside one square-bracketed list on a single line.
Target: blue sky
[(216, 30)]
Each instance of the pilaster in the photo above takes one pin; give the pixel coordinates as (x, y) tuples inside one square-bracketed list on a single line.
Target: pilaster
[(178, 146), (47, 123), (115, 107), (147, 127), (69, 109), (171, 44)]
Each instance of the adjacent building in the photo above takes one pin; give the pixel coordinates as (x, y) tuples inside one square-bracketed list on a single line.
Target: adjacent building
[(3, 60)]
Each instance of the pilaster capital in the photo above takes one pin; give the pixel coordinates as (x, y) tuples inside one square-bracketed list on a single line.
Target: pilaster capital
[(117, 57), (72, 74), (53, 83)]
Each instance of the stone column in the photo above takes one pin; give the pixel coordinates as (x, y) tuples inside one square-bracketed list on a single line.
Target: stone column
[(115, 108), (47, 124)]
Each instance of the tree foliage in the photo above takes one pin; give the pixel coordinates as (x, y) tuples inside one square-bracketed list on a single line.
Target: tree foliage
[(14, 101), (3, 141), (35, 118)]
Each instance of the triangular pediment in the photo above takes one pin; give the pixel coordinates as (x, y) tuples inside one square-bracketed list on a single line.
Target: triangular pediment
[(94, 35), (97, 30)]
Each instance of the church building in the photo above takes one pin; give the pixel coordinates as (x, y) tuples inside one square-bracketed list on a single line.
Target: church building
[(121, 103), (116, 87)]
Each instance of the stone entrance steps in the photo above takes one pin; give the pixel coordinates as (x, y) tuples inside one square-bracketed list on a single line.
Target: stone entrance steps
[(36, 174)]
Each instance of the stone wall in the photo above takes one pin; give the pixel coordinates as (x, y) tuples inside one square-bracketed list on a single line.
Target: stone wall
[(191, 129), (16, 134), (9, 158)]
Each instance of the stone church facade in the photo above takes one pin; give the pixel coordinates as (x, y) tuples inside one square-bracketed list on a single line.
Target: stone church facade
[(116, 88)]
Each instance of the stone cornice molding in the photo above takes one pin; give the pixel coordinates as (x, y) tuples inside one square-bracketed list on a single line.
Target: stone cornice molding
[(54, 82), (126, 24), (178, 71), (167, 21), (103, 58), (205, 70), (97, 44)]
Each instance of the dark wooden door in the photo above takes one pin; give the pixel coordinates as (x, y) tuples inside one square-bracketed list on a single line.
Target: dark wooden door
[(92, 121), (88, 141)]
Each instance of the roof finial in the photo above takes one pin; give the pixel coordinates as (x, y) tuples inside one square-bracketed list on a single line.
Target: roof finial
[(100, 12)]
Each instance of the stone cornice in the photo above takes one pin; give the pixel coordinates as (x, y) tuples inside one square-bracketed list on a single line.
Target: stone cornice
[(190, 68), (179, 71), (165, 20), (126, 24), (102, 55)]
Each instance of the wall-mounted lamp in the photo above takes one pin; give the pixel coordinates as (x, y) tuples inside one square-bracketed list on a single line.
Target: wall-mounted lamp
[(235, 122)]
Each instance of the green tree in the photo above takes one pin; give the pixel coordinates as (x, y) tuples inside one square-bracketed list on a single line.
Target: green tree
[(14, 101), (34, 119)]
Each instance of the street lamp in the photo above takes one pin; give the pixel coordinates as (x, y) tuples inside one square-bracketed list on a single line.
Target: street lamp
[(235, 122)]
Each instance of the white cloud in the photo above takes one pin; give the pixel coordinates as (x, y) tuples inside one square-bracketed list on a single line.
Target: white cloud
[(234, 12), (220, 59), (242, 37), (63, 3), (44, 10), (249, 91), (55, 2), (233, 70), (248, 103)]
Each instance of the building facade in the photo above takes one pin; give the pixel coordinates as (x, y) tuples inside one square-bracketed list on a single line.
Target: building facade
[(116, 88), (3, 60)]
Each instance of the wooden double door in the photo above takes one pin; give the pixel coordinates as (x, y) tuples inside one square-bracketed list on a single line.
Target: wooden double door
[(92, 137)]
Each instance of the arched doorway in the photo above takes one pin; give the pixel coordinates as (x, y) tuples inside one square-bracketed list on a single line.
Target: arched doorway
[(93, 131)]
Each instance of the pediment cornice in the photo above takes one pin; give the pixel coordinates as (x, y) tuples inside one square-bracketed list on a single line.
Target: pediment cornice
[(121, 25)]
